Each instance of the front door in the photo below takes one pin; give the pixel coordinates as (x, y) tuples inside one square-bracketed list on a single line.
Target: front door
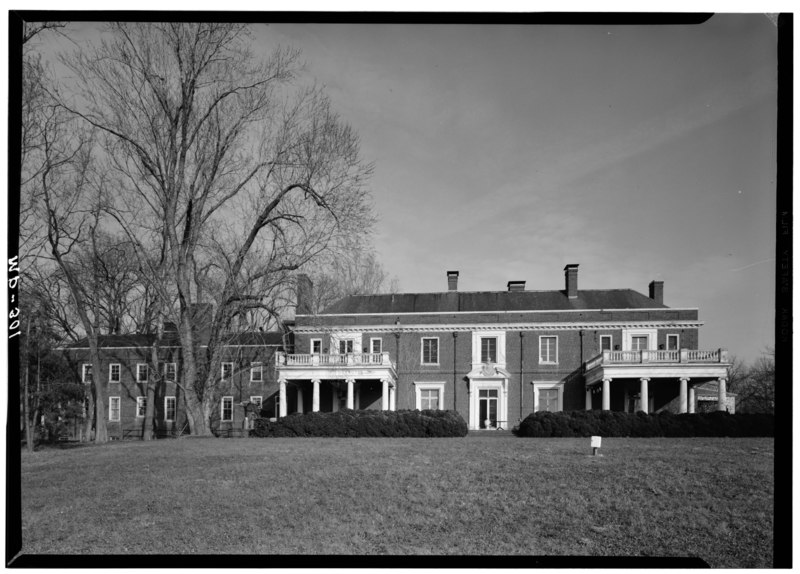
[(487, 408)]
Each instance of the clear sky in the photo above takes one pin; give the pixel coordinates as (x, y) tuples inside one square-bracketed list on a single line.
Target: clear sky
[(506, 152)]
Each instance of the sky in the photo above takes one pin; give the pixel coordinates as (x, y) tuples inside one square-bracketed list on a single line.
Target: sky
[(508, 151)]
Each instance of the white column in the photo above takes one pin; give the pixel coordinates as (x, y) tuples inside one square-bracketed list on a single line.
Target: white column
[(588, 398), (282, 397), (350, 383), (683, 407), (385, 395), (315, 396), (606, 394), (691, 399), (644, 399), (722, 396), (393, 397), (299, 399)]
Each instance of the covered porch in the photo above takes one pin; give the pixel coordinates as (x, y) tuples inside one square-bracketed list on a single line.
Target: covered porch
[(649, 380), (328, 382)]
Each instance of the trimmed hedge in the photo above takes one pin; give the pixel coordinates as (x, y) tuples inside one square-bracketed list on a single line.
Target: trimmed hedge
[(366, 423), (666, 424)]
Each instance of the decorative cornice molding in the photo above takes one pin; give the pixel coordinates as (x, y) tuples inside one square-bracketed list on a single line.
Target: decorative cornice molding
[(501, 312), (561, 326)]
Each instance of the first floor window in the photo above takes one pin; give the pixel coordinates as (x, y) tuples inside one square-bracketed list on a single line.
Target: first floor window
[(87, 373), (547, 396), (141, 373), (170, 372), (227, 371), (114, 372), (257, 402), (255, 373), (170, 406), (316, 346), (672, 342), (548, 349), (488, 349), (430, 351), (377, 345), (227, 409), (429, 399), (141, 406), (605, 342), (639, 342), (113, 409)]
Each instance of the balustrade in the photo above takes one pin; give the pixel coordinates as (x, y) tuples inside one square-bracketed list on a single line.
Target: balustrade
[(656, 356)]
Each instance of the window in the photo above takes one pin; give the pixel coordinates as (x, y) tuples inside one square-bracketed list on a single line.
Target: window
[(87, 373), (227, 409), (141, 373), (170, 406), (673, 342), (345, 346), (227, 371), (548, 350), (548, 396), (170, 371), (258, 402), (605, 342), (376, 345), (114, 371), (430, 350), (316, 346), (429, 396), (141, 406), (113, 409), (488, 350), (255, 373), (639, 342)]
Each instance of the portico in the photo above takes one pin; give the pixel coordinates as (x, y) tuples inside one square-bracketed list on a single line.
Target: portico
[(351, 378), (638, 375)]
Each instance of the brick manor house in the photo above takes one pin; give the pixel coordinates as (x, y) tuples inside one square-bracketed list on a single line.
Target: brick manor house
[(494, 356)]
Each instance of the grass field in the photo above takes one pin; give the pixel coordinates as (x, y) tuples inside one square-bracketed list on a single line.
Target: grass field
[(705, 497)]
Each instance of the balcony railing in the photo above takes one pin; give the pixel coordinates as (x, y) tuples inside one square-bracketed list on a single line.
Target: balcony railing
[(649, 357), (334, 360)]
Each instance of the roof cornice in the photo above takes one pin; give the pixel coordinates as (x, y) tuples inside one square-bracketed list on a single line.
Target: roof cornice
[(450, 327)]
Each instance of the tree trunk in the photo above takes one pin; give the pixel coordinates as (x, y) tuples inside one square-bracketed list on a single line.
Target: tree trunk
[(100, 423)]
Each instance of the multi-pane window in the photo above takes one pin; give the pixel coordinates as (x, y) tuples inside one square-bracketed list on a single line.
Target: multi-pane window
[(376, 345), (170, 406), (672, 342), (226, 412), (316, 346), (256, 372), (429, 399), (548, 400), (141, 406), (257, 401), (639, 342), (430, 351), (345, 346), (170, 372), (87, 373), (488, 349), (548, 349), (227, 371), (113, 409), (114, 372), (605, 342), (141, 373)]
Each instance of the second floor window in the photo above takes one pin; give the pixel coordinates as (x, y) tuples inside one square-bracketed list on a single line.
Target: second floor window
[(488, 350), (255, 373), (114, 372), (605, 342), (87, 373), (430, 351), (346, 346), (141, 406), (639, 342), (227, 371), (170, 372), (548, 350), (141, 373), (377, 345), (672, 342), (316, 346)]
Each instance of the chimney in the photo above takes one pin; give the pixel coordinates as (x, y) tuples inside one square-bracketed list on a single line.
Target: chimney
[(657, 291), (571, 279), (516, 285), (452, 280), (305, 289)]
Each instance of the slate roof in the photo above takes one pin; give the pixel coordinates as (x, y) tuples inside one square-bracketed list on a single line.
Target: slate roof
[(492, 301), (171, 339)]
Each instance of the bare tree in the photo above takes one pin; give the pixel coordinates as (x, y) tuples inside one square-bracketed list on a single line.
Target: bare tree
[(238, 175)]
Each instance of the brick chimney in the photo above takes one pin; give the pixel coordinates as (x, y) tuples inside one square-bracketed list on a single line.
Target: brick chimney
[(657, 291), (571, 280), (452, 280), (516, 285), (305, 290)]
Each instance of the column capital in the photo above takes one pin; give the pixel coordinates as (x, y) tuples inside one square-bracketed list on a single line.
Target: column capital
[(282, 381), (644, 378), (350, 380), (687, 379), (609, 379), (316, 381)]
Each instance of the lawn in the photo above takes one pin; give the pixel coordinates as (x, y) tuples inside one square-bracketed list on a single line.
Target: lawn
[(705, 497)]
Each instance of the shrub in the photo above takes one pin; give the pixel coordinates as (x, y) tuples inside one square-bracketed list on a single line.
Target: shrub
[(368, 423), (619, 424)]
